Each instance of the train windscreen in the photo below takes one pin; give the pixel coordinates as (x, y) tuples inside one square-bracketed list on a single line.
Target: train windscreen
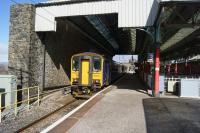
[(75, 64), (97, 64)]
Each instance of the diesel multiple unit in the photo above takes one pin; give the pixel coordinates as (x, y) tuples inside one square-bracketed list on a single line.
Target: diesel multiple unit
[(89, 72)]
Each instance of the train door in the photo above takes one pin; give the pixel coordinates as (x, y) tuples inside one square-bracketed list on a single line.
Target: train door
[(85, 68)]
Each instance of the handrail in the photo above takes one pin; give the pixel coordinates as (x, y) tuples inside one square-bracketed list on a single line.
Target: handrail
[(18, 90), (15, 103)]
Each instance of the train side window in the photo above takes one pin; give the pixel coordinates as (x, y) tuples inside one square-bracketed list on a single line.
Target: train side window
[(75, 64), (97, 64)]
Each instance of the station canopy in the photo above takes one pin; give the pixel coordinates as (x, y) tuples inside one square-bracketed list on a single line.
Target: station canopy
[(179, 30), (178, 24)]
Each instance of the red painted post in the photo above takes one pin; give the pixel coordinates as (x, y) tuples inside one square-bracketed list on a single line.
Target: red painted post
[(176, 70), (167, 70), (157, 72)]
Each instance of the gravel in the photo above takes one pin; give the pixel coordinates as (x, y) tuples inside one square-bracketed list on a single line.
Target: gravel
[(10, 123)]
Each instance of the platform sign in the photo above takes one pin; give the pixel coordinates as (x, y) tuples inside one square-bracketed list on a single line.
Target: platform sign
[(150, 57)]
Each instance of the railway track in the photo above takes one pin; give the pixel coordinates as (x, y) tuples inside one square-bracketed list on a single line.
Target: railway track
[(46, 117), (45, 93), (52, 114), (43, 118)]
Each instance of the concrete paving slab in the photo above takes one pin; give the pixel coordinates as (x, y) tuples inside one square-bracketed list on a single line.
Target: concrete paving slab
[(172, 115), (121, 110)]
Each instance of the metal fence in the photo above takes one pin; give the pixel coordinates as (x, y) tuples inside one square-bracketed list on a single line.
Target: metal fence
[(35, 97)]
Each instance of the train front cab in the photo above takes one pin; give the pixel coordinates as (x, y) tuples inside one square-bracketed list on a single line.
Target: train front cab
[(87, 73)]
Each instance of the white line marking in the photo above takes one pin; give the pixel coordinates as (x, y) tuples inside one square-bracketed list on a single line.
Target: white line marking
[(188, 97)]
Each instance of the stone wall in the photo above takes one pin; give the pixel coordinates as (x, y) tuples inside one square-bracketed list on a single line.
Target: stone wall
[(21, 30), (26, 49)]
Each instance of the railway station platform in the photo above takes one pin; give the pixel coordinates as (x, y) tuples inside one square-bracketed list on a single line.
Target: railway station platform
[(127, 108), (119, 111)]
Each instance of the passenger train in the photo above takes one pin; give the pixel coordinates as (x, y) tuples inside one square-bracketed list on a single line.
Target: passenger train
[(91, 72)]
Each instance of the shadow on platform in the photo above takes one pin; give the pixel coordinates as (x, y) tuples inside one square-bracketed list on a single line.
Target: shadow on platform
[(132, 82), (172, 115)]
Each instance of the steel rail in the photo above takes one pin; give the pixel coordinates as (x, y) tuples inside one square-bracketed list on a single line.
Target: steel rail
[(45, 117)]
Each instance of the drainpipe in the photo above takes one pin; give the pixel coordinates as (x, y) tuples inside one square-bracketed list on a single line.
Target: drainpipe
[(176, 70), (44, 58)]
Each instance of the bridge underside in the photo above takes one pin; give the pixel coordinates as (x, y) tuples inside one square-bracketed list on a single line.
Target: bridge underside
[(124, 39)]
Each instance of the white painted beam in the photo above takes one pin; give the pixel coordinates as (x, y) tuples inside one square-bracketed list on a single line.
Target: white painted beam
[(80, 9), (131, 13)]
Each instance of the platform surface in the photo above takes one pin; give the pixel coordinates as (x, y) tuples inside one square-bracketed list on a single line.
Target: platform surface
[(120, 111), (127, 108)]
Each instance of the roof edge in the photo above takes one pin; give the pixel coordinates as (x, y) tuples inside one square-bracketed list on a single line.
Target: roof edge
[(67, 2)]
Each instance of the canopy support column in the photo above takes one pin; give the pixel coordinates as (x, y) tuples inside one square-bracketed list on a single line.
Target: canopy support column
[(157, 72)]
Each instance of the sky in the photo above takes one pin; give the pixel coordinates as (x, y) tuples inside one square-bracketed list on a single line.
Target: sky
[(4, 25)]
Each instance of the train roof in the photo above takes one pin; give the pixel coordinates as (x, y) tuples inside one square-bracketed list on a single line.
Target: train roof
[(88, 53)]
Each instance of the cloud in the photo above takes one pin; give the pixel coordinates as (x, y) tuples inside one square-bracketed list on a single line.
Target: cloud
[(3, 52)]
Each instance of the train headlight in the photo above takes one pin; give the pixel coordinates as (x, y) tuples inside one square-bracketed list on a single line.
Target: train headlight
[(75, 80), (97, 81)]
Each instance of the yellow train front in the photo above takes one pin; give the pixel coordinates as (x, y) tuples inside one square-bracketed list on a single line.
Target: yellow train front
[(89, 72)]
